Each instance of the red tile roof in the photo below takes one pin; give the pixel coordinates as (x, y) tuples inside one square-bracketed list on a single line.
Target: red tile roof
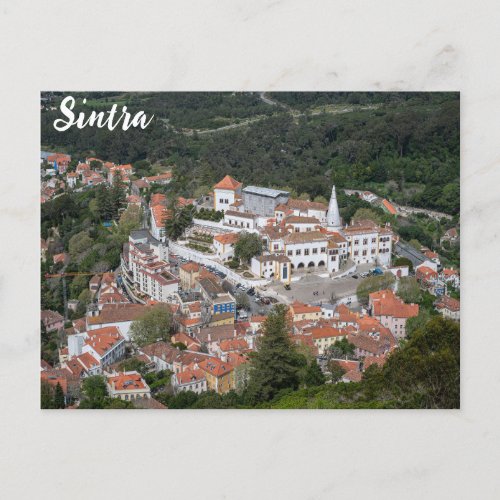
[(385, 303), (228, 183), (390, 208), (216, 367)]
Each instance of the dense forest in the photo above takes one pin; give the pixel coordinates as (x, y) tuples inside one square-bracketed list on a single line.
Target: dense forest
[(405, 146)]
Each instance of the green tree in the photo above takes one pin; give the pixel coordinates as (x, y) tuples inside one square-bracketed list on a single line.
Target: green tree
[(242, 301), (341, 349), (409, 290), (154, 325), (336, 371), (117, 195), (275, 365), (248, 245), (79, 243), (59, 397), (94, 393), (178, 220), (313, 375), (46, 396), (417, 322)]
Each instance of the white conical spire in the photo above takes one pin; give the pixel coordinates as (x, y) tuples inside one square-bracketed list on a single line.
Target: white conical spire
[(333, 219)]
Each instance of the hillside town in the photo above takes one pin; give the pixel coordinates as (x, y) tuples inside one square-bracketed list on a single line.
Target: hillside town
[(244, 251)]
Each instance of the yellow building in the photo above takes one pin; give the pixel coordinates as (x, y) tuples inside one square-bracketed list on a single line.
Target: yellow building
[(219, 375), (188, 274), (300, 311)]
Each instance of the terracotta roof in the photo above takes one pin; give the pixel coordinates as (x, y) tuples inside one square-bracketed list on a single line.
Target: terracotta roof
[(228, 183), (127, 381), (227, 238), (327, 332), (389, 206), (385, 303), (216, 367), (301, 308), (190, 376), (298, 219), (191, 267), (425, 272), (307, 237), (243, 215), (449, 303), (233, 345), (148, 404), (103, 339), (116, 313), (306, 205)]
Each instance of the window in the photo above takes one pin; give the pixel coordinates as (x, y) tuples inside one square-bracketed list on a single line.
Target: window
[(356, 242), (298, 252), (365, 241), (334, 258), (364, 253), (297, 230), (356, 252), (290, 252), (374, 240), (323, 249), (306, 251), (315, 251), (373, 251)]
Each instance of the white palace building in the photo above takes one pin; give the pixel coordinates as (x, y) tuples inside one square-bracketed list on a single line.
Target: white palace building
[(299, 234)]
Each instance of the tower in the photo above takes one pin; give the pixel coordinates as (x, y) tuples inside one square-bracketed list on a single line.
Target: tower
[(333, 218)]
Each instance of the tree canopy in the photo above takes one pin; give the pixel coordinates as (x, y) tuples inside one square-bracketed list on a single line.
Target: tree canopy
[(154, 325)]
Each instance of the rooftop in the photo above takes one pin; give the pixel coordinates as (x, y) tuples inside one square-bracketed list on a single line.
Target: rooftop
[(263, 191)]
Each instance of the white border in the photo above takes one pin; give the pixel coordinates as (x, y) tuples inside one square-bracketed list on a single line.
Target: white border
[(236, 45)]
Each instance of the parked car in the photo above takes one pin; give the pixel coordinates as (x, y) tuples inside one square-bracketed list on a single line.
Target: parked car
[(355, 276)]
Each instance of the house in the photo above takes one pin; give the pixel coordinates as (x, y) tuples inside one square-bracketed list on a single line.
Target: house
[(450, 236), (95, 283), (128, 386), (116, 315), (368, 242), (190, 343), (428, 279), (106, 345), (304, 208), (224, 245), (211, 336), (325, 336), (399, 271), (219, 375), (242, 220), (300, 311), (60, 258), (52, 320), (146, 266), (71, 179), (450, 276), (432, 256), (162, 179), (225, 193), (60, 161), (368, 196), (190, 380), (448, 307), (391, 311), (188, 274), (271, 266)]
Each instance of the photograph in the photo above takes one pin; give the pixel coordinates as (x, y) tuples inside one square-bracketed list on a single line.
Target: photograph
[(249, 250)]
